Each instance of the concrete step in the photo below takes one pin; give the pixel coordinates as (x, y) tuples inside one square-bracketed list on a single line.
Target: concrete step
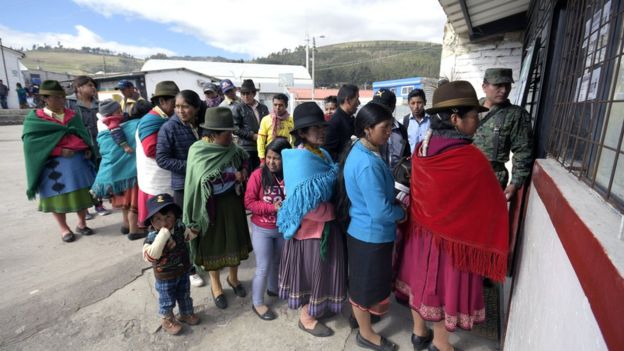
[(12, 116)]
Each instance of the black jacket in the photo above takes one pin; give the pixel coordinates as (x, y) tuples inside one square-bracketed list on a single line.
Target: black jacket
[(339, 131), (247, 125)]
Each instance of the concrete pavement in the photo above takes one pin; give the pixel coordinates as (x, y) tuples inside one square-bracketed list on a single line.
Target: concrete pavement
[(98, 294)]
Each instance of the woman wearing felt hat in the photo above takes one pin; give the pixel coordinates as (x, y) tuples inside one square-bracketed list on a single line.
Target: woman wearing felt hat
[(58, 152), (312, 268), (213, 202), (457, 230)]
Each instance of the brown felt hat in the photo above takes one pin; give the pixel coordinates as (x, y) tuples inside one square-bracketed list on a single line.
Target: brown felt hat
[(459, 93), (165, 88), (51, 87)]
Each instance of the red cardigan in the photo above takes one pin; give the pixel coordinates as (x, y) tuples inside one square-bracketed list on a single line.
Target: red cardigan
[(69, 141), (260, 202)]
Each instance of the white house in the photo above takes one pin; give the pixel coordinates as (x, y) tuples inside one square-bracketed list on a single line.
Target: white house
[(10, 72)]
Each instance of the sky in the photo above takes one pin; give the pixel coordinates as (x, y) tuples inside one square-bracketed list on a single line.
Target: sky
[(235, 29)]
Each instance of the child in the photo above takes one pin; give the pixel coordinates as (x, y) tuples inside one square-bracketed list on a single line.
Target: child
[(110, 115), (166, 249)]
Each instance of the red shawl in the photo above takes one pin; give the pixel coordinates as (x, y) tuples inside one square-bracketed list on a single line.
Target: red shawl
[(456, 197)]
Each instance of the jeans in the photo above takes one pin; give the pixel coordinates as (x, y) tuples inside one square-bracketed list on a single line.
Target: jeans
[(267, 244), (174, 290), (3, 101)]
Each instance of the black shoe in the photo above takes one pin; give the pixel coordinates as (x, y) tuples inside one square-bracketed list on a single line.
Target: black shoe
[(320, 330), (124, 230), (69, 237), (433, 348), (386, 345), (354, 324), (239, 290), (271, 293), (422, 342), (220, 301), (266, 316), (84, 231), (136, 236)]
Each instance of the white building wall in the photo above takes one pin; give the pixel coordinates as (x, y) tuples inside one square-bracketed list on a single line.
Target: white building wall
[(549, 309), (184, 80), (466, 60), (12, 63)]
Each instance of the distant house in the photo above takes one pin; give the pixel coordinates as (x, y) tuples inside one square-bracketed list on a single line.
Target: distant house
[(10, 72)]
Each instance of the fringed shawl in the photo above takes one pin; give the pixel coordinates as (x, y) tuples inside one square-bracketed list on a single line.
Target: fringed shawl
[(118, 171), (308, 181), (205, 163), (456, 197)]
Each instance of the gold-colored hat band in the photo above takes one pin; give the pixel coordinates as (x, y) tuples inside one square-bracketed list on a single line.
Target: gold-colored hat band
[(457, 102)]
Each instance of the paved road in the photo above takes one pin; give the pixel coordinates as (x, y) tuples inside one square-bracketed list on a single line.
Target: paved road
[(97, 293)]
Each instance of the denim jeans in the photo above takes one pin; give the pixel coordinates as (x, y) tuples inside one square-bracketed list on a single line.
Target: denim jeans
[(267, 244)]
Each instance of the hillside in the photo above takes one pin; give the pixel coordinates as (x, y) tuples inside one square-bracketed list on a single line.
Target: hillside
[(77, 62), (365, 62)]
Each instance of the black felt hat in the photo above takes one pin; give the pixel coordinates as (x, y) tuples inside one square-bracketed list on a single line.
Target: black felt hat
[(308, 114), (248, 86)]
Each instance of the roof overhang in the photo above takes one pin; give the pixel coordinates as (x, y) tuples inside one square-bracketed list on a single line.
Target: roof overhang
[(485, 18)]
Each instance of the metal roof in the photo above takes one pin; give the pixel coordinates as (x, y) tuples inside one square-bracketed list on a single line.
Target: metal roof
[(465, 15)]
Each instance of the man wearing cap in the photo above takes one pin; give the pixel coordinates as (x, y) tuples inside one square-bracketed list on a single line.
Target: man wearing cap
[(151, 178), (229, 91), (130, 96), (247, 115), (504, 128), (211, 92)]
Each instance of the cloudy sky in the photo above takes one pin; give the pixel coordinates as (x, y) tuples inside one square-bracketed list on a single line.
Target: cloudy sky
[(238, 29)]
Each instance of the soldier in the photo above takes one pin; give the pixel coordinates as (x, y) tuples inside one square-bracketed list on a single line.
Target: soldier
[(504, 128)]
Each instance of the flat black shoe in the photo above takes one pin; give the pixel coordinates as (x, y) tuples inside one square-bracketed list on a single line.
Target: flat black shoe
[(271, 293), (68, 237), (136, 236), (220, 301), (124, 230), (266, 316), (239, 290), (84, 231), (385, 345), (354, 324), (422, 342), (433, 348), (320, 330)]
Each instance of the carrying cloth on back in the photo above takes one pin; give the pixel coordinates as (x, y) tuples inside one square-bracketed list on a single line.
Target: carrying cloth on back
[(117, 172), (308, 181), (458, 199), (40, 137), (205, 163)]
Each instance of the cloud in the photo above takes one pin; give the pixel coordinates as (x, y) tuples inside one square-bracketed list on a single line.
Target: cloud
[(83, 37), (258, 28)]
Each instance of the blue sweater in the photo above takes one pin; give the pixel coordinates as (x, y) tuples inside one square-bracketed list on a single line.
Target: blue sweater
[(370, 188), (174, 141)]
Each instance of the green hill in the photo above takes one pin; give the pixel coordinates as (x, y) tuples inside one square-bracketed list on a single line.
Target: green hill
[(364, 62), (78, 62)]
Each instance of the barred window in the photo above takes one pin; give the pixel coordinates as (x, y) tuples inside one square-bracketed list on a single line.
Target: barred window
[(587, 125)]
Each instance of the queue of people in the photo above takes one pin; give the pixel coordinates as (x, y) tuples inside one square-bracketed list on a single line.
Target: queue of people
[(327, 225)]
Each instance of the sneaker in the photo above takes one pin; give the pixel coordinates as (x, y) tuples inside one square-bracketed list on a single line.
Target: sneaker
[(171, 325), (89, 216), (102, 211), (190, 319), (196, 280)]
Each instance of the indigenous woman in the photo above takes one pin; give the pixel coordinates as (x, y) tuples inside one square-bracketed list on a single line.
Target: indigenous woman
[(153, 179), (373, 214), (457, 231), (213, 202), (174, 141), (117, 175), (58, 151), (264, 196), (312, 267)]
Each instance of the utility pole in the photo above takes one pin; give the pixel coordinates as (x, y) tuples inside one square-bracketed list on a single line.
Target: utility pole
[(307, 61), (314, 62)]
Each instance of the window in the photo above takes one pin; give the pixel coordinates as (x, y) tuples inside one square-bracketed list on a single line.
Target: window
[(406, 90), (587, 125)]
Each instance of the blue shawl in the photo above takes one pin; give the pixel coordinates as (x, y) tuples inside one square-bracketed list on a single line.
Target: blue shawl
[(117, 172), (150, 124), (308, 181)]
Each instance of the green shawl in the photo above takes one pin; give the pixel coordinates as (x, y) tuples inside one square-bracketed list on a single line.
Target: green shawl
[(205, 163), (40, 137)]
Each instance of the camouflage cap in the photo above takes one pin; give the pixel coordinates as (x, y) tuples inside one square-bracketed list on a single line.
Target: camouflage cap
[(498, 75)]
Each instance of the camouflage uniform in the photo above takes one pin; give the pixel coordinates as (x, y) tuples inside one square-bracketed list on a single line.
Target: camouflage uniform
[(513, 125)]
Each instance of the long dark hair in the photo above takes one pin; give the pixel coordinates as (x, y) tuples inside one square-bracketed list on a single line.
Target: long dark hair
[(268, 179), (368, 117), (191, 98)]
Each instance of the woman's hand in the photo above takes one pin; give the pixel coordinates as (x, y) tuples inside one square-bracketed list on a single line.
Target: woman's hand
[(67, 152), (88, 154), (405, 216), (239, 176), (277, 203)]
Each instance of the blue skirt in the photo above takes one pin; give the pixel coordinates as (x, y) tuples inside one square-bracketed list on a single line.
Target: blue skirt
[(62, 175)]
